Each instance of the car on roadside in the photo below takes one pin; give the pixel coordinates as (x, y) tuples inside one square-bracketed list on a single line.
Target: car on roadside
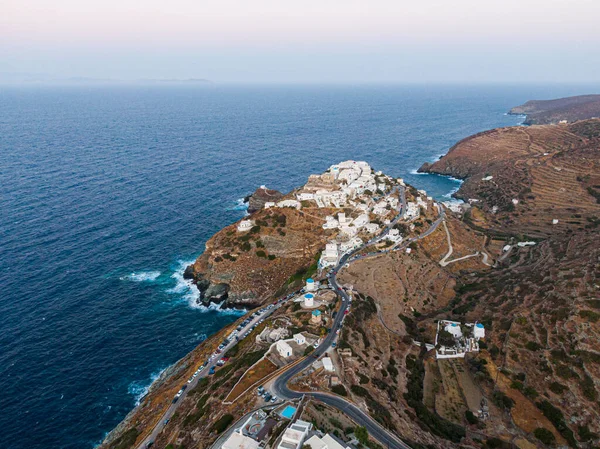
[(212, 371)]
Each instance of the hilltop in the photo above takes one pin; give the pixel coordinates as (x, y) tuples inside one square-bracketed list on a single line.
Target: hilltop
[(569, 109)]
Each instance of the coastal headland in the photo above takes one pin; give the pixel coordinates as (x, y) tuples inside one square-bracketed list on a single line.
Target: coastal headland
[(472, 324)]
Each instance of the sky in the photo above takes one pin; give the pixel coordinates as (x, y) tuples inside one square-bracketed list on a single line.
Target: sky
[(308, 41)]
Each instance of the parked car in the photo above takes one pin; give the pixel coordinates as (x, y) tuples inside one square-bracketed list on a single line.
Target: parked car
[(212, 371)]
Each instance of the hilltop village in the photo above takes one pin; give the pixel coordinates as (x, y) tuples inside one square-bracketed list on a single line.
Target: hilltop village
[(379, 317)]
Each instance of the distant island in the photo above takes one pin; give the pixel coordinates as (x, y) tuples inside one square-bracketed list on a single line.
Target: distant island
[(569, 109), (380, 317)]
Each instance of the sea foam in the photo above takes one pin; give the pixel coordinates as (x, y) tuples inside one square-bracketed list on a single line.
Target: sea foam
[(142, 276), (139, 389)]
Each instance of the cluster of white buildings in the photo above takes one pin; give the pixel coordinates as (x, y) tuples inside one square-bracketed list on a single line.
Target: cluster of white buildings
[(346, 225), (341, 184), (466, 339)]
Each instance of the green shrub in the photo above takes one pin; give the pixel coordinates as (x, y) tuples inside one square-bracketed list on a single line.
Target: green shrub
[(339, 389), (261, 253), (502, 400), (544, 435), (558, 420), (557, 388), (126, 440), (533, 345), (359, 391), (272, 257), (471, 418), (222, 423)]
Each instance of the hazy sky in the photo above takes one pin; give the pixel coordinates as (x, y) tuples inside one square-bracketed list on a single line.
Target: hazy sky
[(304, 41)]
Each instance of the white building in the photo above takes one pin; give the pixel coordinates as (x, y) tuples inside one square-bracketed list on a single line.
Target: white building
[(300, 339), (269, 204), (328, 364), (329, 257), (309, 300), (361, 221), (330, 223), (454, 329), (394, 236), (371, 228), (294, 435), (284, 349), (245, 225), (305, 196), (311, 285), (325, 442), (479, 331), (412, 210), (350, 244), (289, 203), (238, 441)]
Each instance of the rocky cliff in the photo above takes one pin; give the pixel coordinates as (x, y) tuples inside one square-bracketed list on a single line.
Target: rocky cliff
[(262, 195)]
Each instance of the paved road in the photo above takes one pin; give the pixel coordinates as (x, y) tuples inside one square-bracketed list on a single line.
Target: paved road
[(204, 373), (280, 388)]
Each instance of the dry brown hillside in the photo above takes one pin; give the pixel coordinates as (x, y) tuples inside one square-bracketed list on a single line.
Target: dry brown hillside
[(526, 177)]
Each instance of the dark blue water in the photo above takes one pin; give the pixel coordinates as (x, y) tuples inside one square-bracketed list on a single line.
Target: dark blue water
[(106, 193)]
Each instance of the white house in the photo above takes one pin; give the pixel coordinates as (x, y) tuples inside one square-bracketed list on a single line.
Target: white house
[(329, 257), (289, 203), (361, 221), (269, 204), (238, 441), (371, 228), (284, 349), (294, 435), (299, 339), (330, 223), (328, 364), (311, 285), (325, 442), (305, 196), (245, 225)]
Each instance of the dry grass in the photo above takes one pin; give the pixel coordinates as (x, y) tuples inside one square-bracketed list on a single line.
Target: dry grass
[(255, 374)]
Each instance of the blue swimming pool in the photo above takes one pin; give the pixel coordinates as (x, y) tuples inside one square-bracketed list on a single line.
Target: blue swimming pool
[(288, 412)]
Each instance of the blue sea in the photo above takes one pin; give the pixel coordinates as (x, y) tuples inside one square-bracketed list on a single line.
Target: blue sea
[(107, 192)]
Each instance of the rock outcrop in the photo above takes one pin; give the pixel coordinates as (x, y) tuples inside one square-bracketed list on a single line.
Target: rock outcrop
[(262, 195)]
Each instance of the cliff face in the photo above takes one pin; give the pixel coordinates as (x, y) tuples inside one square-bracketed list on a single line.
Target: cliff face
[(526, 177), (540, 112), (246, 268)]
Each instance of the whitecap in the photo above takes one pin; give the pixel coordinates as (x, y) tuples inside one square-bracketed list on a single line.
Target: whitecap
[(239, 205), (187, 291), (139, 389), (142, 276)]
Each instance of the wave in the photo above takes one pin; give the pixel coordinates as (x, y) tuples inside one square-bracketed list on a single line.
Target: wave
[(142, 276), (187, 291), (185, 288), (139, 389), (239, 205)]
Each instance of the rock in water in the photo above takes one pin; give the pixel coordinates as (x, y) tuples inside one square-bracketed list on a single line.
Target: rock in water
[(262, 195)]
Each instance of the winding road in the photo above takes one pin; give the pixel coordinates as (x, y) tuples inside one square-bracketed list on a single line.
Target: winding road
[(280, 388)]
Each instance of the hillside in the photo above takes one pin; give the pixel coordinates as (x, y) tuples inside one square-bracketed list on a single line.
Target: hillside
[(571, 109), (523, 178)]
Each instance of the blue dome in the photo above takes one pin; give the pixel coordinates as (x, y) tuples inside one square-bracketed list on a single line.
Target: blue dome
[(309, 280), (309, 296), (479, 325)]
